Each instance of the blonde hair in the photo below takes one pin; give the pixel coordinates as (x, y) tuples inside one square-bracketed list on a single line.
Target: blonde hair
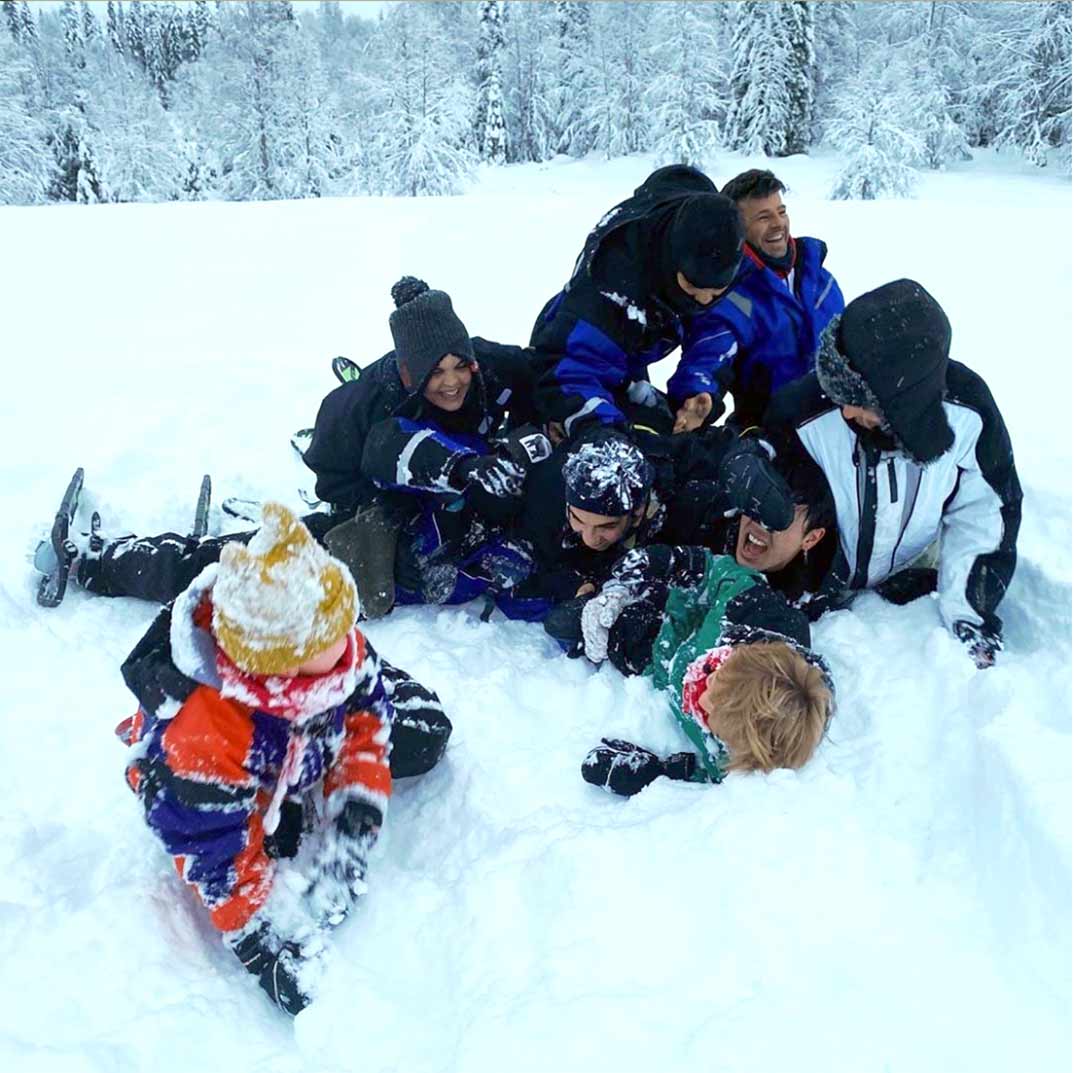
[(769, 706)]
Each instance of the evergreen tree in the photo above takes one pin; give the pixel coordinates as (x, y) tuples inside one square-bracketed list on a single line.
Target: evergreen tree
[(134, 23), (91, 28), (616, 110), (114, 26), (491, 128), (72, 33), (423, 133), (772, 80), (682, 98), (1034, 89), (798, 21), (29, 24), (869, 122), (529, 82), (14, 24), (27, 167)]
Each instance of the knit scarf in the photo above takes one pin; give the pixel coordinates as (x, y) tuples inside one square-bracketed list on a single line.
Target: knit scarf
[(695, 682), (294, 698)]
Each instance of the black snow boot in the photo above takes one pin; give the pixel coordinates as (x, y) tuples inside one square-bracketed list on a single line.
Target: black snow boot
[(366, 544), (623, 768)]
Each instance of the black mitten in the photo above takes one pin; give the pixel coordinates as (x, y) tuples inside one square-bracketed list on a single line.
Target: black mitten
[(492, 485), (526, 445), (621, 767), (754, 487), (337, 877), (275, 963), (907, 585), (981, 644)]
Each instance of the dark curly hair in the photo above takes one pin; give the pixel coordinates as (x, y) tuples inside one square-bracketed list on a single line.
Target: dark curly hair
[(756, 182)]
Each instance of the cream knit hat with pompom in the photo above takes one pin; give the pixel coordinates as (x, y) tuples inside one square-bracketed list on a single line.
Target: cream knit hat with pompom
[(281, 600)]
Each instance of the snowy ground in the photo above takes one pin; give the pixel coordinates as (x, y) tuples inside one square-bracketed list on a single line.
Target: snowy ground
[(902, 904)]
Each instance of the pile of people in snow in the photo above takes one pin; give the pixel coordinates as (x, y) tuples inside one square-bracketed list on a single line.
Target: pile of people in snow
[(558, 485)]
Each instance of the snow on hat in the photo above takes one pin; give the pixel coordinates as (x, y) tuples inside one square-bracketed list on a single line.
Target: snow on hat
[(607, 475), (280, 600), (706, 239), (889, 352), (424, 327)]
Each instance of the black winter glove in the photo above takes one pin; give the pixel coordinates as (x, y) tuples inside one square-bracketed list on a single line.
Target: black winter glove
[(981, 644), (754, 487), (499, 477), (275, 963), (623, 768), (337, 877), (492, 485), (526, 445)]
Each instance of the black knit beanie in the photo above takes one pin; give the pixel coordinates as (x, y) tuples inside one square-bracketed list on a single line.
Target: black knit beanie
[(424, 328), (706, 240), (889, 352), (606, 474)]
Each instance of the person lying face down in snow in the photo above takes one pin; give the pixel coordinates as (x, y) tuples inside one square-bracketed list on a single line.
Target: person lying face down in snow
[(648, 267), (916, 453), (781, 524), (412, 458), (729, 654), (264, 722)]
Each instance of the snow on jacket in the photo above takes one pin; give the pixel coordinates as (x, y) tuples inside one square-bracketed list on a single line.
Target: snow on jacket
[(207, 767), (890, 508), (764, 332), (599, 335), (347, 473), (711, 601), (686, 506)]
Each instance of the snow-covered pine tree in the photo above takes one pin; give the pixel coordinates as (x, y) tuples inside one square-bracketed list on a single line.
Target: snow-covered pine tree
[(615, 110), (134, 22), (874, 125), (530, 81), (11, 18), (681, 98), (91, 28), (29, 24), (766, 73), (114, 26), (1033, 89), (798, 19), (27, 167), (424, 132), (72, 33), (491, 127), (575, 134)]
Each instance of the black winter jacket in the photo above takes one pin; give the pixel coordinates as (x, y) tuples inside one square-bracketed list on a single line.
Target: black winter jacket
[(349, 413), (891, 509)]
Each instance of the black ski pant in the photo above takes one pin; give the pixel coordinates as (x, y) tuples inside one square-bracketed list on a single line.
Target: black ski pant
[(159, 568)]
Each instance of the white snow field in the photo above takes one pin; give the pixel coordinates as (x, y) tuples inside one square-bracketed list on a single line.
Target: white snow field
[(900, 905)]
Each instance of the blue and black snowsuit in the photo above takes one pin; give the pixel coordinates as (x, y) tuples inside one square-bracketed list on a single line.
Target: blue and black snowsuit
[(595, 340), (374, 438), (765, 331)]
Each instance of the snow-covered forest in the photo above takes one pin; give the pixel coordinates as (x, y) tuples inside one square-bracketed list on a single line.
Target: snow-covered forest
[(159, 101)]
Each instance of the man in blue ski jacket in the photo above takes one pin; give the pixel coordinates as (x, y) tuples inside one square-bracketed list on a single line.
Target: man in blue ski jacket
[(765, 330)]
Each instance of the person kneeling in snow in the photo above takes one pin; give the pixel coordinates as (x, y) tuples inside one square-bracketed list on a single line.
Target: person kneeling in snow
[(264, 719), (730, 656)]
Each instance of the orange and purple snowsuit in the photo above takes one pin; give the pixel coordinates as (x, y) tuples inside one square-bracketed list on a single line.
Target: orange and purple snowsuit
[(206, 766)]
